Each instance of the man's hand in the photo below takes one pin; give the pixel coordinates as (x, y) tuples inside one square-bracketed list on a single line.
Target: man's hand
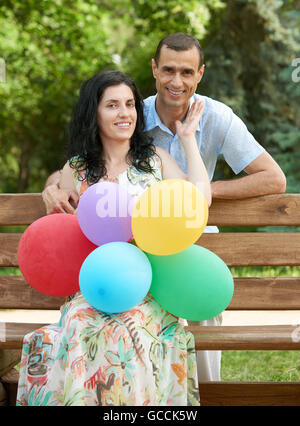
[(60, 200)]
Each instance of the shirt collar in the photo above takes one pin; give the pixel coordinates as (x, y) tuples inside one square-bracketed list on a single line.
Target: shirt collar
[(153, 119)]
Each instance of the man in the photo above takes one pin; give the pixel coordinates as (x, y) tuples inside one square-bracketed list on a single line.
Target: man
[(178, 68)]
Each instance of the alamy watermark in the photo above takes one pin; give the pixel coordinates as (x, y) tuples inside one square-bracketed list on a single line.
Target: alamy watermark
[(2, 71), (2, 332), (296, 335), (296, 72), (172, 200)]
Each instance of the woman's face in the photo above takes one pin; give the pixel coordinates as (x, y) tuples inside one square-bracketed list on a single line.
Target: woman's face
[(117, 114)]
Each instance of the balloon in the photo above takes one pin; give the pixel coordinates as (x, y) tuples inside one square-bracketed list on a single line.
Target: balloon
[(104, 213), (194, 284), (115, 277), (169, 217), (51, 252)]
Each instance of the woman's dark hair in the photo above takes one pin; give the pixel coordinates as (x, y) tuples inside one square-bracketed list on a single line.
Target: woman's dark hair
[(84, 140)]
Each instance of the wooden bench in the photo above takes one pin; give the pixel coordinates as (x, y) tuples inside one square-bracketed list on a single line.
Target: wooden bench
[(236, 249)]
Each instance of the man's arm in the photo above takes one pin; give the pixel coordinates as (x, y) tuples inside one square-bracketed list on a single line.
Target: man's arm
[(59, 200), (53, 179), (264, 176)]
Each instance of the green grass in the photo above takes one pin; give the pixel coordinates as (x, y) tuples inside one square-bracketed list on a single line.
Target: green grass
[(252, 366), (265, 271), (261, 366), (237, 271), (10, 271)]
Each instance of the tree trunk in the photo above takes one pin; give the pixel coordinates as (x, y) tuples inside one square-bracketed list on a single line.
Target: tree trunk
[(24, 172)]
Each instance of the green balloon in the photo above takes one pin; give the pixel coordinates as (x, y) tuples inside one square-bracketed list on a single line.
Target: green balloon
[(194, 284)]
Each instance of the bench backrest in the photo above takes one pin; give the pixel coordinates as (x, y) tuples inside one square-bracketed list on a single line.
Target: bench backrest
[(235, 248)]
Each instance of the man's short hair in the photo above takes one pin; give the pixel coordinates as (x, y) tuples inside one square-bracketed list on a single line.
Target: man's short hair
[(179, 42)]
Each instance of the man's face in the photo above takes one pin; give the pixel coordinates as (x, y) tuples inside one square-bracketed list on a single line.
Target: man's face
[(177, 76)]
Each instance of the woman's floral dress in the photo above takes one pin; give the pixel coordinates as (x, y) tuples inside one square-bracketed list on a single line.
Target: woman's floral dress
[(140, 357)]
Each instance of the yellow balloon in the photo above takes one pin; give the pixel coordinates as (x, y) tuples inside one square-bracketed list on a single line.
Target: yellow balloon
[(169, 217)]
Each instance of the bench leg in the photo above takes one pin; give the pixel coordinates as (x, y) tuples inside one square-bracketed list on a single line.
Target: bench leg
[(3, 396), (8, 376), (10, 383), (8, 359)]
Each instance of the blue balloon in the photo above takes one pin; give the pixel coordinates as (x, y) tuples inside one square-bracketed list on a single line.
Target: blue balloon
[(115, 277)]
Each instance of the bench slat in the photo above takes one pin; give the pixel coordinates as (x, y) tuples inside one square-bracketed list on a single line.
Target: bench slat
[(247, 393), (266, 293), (224, 393), (20, 209), (279, 209), (281, 293), (277, 337), (12, 333), (236, 249), (254, 249), (265, 337), (16, 293), (8, 249)]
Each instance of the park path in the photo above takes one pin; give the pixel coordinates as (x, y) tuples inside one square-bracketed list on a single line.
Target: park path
[(229, 317)]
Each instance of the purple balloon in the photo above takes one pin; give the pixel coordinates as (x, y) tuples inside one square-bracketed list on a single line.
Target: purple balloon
[(104, 213)]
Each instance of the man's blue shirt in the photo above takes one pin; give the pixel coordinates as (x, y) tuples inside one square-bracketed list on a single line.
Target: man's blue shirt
[(219, 131)]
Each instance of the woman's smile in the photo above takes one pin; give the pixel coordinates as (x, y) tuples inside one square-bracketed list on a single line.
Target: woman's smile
[(123, 124)]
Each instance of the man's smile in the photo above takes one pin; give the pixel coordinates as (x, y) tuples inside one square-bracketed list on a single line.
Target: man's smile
[(175, 92)]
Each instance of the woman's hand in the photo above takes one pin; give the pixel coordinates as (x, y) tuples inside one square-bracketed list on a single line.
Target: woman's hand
[(187, 130), (60, 200), (197, 173)]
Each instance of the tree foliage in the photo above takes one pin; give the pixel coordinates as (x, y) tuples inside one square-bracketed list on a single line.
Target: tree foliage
[(251, 56), (50, 47)]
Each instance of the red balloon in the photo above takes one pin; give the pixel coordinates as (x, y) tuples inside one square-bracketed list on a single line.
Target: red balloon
[(51, 252)]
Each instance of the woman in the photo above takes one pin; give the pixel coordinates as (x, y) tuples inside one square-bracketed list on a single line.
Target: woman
[(143, 356)]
